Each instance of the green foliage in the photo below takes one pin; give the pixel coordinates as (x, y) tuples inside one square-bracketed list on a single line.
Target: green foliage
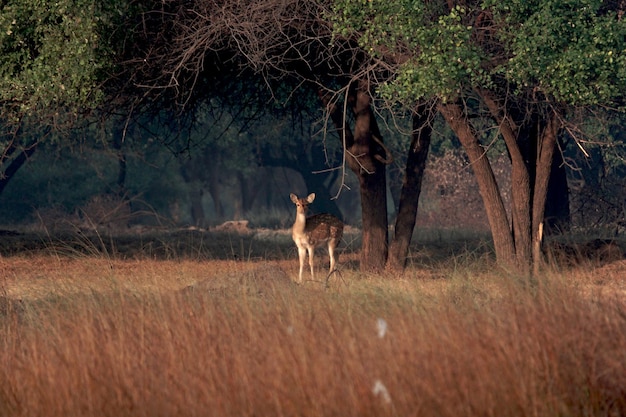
[(569, 51), (433, 45), (52, 56)]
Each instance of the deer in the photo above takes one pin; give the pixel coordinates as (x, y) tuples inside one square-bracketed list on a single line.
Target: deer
[(315, 231)]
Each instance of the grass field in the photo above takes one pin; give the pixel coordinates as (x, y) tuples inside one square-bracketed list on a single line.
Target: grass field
[(93, 333)]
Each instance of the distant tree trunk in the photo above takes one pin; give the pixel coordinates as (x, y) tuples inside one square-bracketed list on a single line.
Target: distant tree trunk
[(121, 173), (411, 189), (558, 216), (189, 174), (317, 183), (118, 145), (213, 186), (14, 166), (309, 170), (249, 188), (366, 157), (197, 210), (17, 155)]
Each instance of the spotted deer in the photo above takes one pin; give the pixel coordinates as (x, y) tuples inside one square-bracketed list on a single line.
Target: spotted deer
[(315, 231)]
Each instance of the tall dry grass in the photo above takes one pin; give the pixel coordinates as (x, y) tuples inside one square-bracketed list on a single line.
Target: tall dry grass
[(249, 342)]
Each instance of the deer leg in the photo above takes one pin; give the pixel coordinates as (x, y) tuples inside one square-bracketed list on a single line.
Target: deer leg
[(302, 257), (331, 254), (311, 254)]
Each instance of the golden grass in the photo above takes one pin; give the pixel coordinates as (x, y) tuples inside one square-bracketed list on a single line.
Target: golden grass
[(97, 337)]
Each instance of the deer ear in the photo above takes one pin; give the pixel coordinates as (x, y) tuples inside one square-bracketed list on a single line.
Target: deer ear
[(294, 198), (310, 198)]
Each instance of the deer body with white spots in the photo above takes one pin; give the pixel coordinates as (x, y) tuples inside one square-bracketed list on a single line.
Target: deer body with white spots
[(315, 231)]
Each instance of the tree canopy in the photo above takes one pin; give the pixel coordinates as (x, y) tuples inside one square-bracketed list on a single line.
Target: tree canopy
[(54, 56), (564, 51), (515, 68)]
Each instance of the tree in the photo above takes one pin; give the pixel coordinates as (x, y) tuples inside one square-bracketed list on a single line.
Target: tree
[(411, 187), (53, 55), (366, 156), (518, 68), (191, 49)]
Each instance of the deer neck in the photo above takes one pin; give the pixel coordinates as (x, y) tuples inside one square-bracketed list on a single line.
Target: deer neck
[(300, 223)]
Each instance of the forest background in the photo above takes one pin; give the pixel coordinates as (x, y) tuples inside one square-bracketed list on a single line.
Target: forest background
[(460, 140), (190, 114)]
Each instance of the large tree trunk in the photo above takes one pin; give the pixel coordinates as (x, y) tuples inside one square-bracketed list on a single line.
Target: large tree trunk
[(366, 157), (411, 189), (519, 135), (370, 170), (374, 218), (545, 156), (531, 142), (494, 206)]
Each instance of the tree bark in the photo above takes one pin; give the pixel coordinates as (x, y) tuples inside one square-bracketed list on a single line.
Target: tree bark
[(520, 180), (545, 156), (372, 181), (531, 142), (501, 233), (364, 157), (411, 189)]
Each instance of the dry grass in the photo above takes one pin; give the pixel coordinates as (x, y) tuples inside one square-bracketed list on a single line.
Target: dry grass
[(97, 337)]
